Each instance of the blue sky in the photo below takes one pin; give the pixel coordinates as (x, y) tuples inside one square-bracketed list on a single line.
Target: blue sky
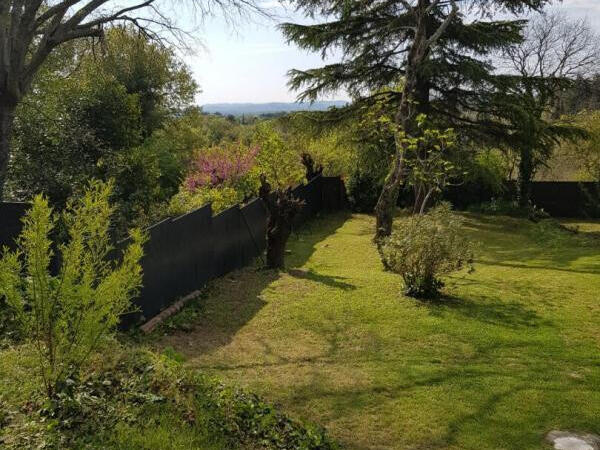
[(248, 62)]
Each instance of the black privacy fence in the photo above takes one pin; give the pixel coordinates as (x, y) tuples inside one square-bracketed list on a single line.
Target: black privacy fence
[(185, 252), (557, 198)]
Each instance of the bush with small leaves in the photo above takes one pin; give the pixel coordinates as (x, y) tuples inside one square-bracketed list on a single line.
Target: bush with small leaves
[(425, 247), (68, 315)]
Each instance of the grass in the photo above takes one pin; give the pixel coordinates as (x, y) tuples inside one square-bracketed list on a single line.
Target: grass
[(510, 354)]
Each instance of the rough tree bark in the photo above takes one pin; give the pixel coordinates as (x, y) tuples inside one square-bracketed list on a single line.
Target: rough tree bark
[(407, 111), (7, 114), (282, 208)]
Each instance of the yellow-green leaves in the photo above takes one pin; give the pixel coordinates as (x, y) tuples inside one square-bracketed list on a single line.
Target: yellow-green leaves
[(67, 314), (276, 160)]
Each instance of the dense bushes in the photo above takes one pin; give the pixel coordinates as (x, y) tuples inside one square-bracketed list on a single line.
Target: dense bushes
[(424, 247), (105, 115)]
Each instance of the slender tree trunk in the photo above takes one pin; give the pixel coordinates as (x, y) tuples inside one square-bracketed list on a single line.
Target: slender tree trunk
[(419, 191), (7, 116), (525, 176), (386, 205), (425, 201), (415, 90)]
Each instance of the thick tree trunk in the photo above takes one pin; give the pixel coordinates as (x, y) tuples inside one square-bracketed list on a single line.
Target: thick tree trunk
[(282, 208), (277, 237), (7, 115), (525, 177)]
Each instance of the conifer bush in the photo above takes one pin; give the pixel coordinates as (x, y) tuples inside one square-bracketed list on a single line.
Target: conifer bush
[(425, 247), (67, 313)]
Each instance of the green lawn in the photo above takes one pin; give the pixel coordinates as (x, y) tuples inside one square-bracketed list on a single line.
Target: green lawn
[(513, 352)]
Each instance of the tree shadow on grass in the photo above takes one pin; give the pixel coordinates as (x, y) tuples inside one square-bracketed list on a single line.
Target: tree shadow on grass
[(331, 281), (234, 299), (303, 242), (590, 269), (518, 243), (506, 314)]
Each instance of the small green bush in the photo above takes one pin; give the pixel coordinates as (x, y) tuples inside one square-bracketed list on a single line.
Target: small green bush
[(66, 316), (424, 247)]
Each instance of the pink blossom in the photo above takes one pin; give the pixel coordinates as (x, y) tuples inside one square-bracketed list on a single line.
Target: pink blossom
[(221, 165)]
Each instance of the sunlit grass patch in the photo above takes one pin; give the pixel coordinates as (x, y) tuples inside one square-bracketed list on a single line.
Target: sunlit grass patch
[(509, 353)]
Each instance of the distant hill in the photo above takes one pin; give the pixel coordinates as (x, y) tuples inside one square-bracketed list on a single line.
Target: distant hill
[(257, 109)]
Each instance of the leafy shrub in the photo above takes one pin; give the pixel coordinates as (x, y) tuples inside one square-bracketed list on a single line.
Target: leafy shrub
[(424, 247), (488, 171), (363, 191), (222, 175), (67, 315), (221, 198), (9, 329), (276, 160)]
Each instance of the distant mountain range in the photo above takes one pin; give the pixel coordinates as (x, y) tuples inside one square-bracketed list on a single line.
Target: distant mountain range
[(257, 109)]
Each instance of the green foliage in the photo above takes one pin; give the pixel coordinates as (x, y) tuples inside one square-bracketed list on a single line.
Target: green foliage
[(425, 247), (162, 84), (429, 159), (111, 114), (587, 151), (276, 160), (363, 191), (221, 198), (488, 171), (138, 399), (67, 315), (249, 419)]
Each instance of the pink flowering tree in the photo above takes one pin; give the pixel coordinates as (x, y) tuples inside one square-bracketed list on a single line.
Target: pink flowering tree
[(227, 165), (223, 176)]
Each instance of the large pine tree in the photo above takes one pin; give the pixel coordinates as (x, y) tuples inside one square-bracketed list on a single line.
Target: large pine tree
[(439, 51)]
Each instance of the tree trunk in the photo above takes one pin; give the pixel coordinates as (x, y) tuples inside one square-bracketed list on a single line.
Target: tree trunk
[(415, 90), (277, 237), (525, 176), (419, 194), (414, 87), (282, 208), (386, 205), (7, 117)]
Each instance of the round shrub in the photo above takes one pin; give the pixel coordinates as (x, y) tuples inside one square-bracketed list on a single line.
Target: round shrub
[(425, 247)]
